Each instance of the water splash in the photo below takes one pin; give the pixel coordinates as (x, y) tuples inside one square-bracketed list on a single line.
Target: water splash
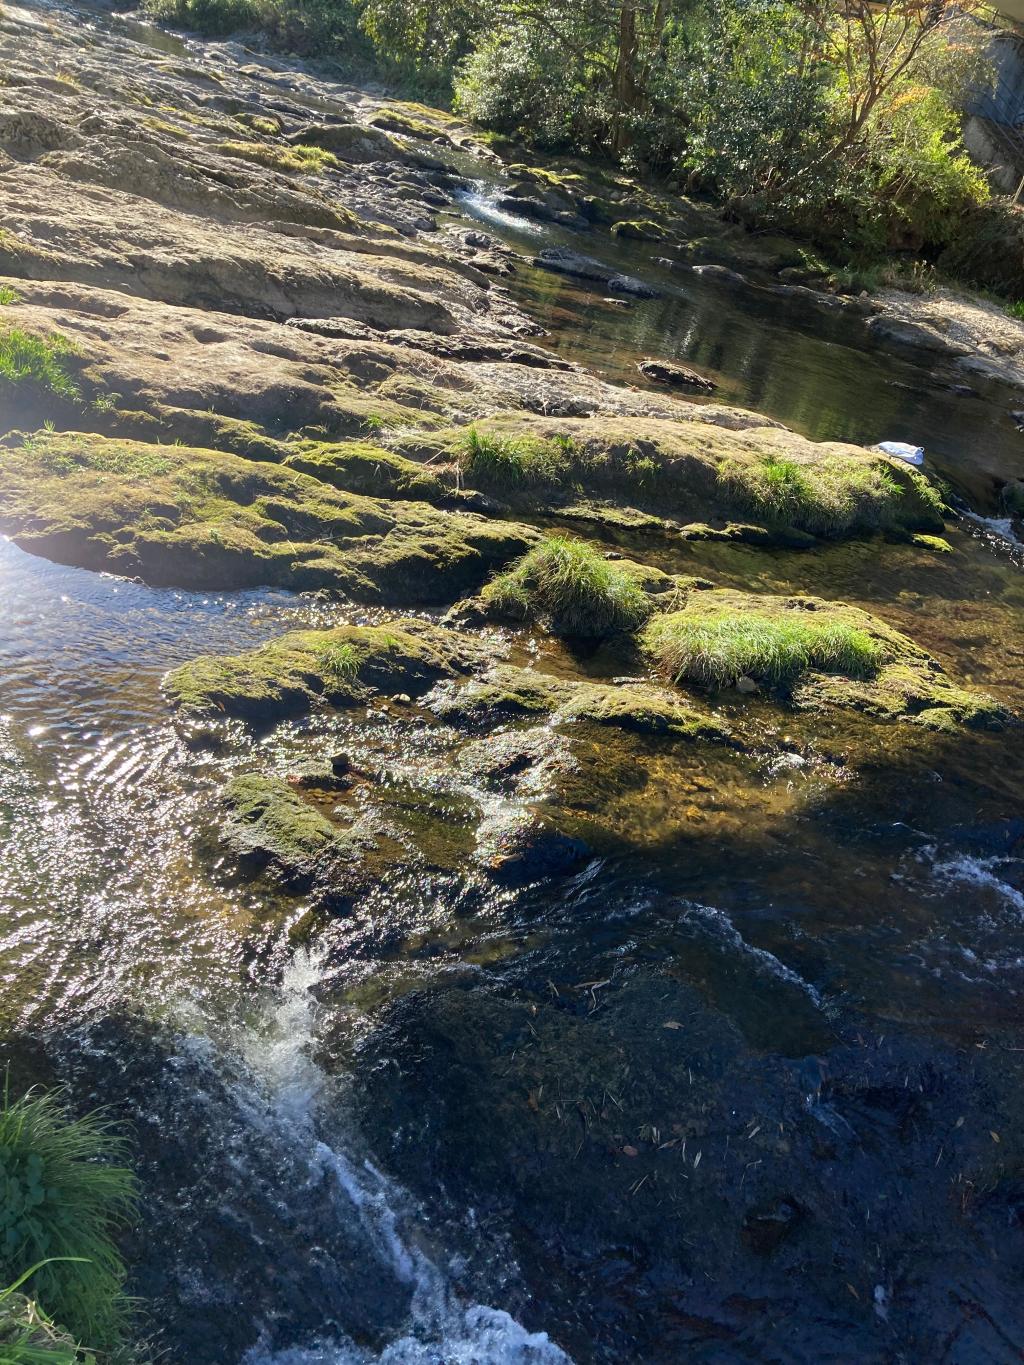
[(441, 1328)]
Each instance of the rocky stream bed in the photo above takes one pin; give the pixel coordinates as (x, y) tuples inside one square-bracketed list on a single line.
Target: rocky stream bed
[(482, 979)]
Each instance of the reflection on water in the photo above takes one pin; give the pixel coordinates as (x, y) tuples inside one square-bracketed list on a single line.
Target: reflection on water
[(805, 366)]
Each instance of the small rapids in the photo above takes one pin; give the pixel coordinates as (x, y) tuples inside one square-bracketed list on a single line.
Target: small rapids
[(441, 1329)]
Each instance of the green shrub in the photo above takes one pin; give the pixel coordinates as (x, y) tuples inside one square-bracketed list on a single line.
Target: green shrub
[(65, 1192), (572, 584), (493, 461), (37, 361), (714, 648)]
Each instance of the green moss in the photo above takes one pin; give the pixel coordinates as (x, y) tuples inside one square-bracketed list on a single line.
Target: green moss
[(817, 654), (573, 586), (506, 692), (271, 824), (359, 467), (342, 666), (395, 121), (297, 160), (937, 543), (269, 127), (639, 230), (187, 517), (38, 363)]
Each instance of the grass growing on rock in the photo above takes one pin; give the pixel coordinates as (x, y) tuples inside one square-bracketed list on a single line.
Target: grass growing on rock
[(501, 462), (66, 1192), (37, 361), (573, 585), (817, 654), (717, 648), (300, 160), (831, 497)]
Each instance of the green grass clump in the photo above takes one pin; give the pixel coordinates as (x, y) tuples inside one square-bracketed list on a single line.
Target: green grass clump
[(831, 497), (489, 460), (716, 648), (572, 584), (37, 361), (8, 296), (65, 1192), (300, 160), (341, 660)]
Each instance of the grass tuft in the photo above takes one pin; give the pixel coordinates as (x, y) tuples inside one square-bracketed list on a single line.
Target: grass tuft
[(65, 1191), (572, 584), (38, 361), (8, 296), (832, 497), (488, 460), (718, 647)]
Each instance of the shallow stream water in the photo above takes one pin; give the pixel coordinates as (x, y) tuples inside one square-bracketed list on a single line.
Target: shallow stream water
[(747, 1087)]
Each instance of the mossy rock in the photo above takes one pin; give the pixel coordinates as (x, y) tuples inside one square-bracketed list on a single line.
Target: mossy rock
[(343, 667), (407, 125), (360, 467), (507, 693), (192, 518), (639, 230), (812, 654), (271, 825), (780, 486)]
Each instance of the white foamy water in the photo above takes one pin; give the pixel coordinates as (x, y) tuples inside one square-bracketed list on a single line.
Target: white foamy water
[(1000, 527), (441, 1329), (480, 203), (982, 874)]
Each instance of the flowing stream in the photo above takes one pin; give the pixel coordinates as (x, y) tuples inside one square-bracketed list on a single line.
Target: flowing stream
[(838, 925)]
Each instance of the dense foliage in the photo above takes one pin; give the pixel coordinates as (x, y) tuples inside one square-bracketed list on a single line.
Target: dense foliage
[(838, 121)]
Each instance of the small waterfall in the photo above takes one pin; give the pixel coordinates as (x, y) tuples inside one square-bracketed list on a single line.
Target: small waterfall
[(441, 1329)]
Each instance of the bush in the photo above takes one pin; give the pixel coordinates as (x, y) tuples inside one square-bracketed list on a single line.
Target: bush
[(715, 648), (568, 581), (65, 1192)]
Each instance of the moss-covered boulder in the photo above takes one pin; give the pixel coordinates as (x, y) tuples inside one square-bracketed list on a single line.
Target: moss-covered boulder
[(639, 230), (270, 825), (187, 517), (506, 693), (698, 472), (342, 666), (814, 654)]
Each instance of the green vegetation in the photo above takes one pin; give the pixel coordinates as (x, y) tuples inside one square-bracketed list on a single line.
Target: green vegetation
[(833, 496), (66, 1192), (27, 1334), (504, 463), (714, 649), (574, 586), (298, 160), (342, 666), (8, 296), (186, 517), (37, 362)]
